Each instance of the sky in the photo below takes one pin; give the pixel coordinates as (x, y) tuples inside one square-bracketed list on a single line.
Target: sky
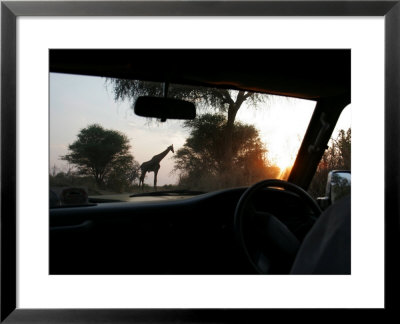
[(78, 101)]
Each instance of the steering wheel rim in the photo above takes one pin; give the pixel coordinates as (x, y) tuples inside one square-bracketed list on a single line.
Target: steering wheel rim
[(244, 205)]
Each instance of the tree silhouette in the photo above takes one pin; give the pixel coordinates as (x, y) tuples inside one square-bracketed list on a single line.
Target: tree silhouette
[(200, 161), (103, 154)]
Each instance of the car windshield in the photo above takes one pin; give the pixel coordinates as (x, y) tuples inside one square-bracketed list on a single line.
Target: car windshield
[(98, 145)]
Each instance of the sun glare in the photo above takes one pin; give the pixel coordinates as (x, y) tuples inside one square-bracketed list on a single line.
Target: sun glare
[(284, 160), (284, 163), (281, 124)]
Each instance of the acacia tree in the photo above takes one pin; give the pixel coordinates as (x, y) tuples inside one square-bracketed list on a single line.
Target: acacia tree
[(225, 101), (336, 157), (200, 161), (103, 154)]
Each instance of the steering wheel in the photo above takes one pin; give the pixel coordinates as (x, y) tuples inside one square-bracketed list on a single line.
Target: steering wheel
[(267, 242)]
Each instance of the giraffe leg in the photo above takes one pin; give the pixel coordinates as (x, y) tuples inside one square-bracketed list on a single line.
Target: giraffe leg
[(155, 180), (141, 180)]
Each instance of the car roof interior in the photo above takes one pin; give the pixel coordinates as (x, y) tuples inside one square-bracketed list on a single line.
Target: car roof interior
[(320, 75)]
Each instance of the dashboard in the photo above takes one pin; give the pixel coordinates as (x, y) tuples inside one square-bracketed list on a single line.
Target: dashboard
[(189, 236)]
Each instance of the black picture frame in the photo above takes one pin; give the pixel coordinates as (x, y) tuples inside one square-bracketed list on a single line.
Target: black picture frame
[(10, 10)]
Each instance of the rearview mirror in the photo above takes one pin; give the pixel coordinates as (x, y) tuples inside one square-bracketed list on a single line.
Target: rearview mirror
[(164, 108)]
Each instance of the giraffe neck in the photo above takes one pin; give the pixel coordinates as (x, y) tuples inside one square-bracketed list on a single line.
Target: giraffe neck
[(160, 156)]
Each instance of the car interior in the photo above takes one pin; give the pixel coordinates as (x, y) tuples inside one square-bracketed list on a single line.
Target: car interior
[(271, 227)]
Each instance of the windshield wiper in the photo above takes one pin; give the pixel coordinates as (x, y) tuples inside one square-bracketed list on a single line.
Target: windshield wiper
[(169, 193)]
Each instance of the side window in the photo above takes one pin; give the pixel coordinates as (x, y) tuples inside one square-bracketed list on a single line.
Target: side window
[(336, 157)]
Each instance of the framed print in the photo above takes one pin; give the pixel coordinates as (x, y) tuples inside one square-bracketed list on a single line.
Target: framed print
[(53, 51)]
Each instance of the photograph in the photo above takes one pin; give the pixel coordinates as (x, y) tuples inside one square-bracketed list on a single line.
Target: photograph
[(199, 162)]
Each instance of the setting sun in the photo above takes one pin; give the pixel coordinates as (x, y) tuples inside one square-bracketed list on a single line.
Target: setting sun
[(284, 163), (283, 137), (283, 151)]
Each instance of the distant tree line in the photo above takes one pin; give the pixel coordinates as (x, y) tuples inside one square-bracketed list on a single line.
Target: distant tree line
[(100, 159), (336, 157)]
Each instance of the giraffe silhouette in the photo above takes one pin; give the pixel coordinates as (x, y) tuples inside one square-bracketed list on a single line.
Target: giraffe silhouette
[(153, 166)]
